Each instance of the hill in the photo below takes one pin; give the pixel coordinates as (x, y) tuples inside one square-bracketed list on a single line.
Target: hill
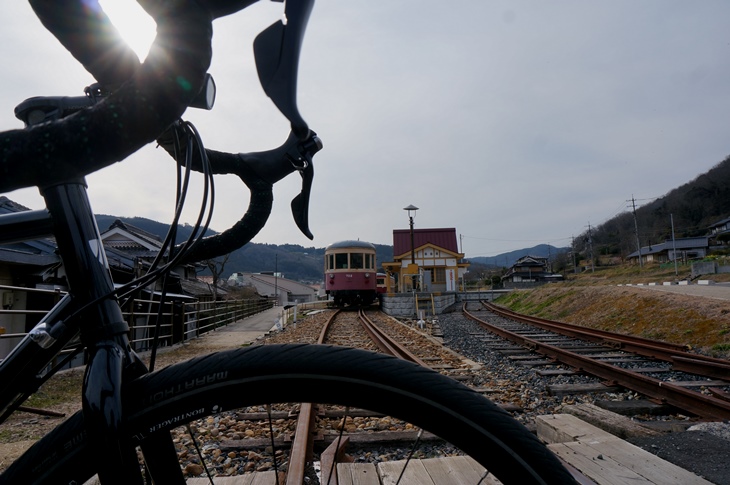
[(506, 260), (692, 207)]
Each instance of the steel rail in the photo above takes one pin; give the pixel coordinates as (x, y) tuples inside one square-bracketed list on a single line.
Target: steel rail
[(303, 444), (668, 352), (385, 343), (680, 397), (594, 335)]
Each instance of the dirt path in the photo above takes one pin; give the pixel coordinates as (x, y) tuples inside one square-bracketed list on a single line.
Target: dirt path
[(717, 291), (21, 429)]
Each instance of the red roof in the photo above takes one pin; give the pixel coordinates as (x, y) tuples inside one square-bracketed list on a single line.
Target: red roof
[(444, 238)]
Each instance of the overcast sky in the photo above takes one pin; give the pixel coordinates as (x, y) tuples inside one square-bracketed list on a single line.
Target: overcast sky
[(517, 123)]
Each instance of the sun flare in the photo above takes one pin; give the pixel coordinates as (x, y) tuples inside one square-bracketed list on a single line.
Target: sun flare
[(133, 23)]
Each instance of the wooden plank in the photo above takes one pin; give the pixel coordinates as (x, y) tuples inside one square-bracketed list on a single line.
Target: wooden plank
[(523, 356), (604, 471), (564, 428), (333, 454), (441, 471), (264, 478), (415, 474), (634, 407), (562, 389), (457, 470), (556, 372), (604, 458), (481, 471), (700, 383), (535, 363), (237, 480), (357, 474), (651, 370), (486, 390), (654, 469), (616, 424)]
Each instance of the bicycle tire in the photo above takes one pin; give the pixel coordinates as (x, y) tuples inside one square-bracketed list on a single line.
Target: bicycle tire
[(305, 373)]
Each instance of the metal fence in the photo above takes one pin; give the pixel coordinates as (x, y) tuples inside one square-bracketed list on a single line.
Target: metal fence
[(179, 319)]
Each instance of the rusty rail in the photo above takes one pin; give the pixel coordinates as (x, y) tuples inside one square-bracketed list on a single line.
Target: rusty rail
[(680, 397), (385, 343), (303, 444), (674, 353)]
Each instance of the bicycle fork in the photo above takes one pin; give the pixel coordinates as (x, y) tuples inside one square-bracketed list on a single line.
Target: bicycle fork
[(105, 334)]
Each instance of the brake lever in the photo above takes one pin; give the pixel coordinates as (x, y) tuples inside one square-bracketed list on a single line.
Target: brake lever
[(302, 162)]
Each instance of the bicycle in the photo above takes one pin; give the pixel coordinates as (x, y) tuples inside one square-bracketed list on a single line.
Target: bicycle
[(125, 406)]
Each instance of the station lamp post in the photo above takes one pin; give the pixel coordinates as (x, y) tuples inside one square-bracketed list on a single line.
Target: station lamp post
[(411, 214)]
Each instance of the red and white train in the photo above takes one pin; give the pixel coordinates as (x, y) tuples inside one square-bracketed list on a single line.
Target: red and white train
[(350, 272)]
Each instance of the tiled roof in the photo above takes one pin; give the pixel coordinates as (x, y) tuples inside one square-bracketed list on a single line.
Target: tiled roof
[(444, 238)]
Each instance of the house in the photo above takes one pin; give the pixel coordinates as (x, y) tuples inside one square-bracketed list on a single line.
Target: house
[(31, 280), (274, 285), (436, 264), (131, 251), (720, 231), (685, 249), (529, 270)]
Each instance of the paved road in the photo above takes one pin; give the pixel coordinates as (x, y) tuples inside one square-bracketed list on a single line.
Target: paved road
[(244, 331), (719, 291)]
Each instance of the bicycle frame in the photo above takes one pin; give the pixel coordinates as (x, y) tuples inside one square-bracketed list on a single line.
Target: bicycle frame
[(86, 311), (89, 310)]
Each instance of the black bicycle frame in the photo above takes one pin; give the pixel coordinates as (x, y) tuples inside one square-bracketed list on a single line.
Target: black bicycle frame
[(87, 310)]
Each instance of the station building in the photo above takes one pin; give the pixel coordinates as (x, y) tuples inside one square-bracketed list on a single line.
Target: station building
[(435, 265)]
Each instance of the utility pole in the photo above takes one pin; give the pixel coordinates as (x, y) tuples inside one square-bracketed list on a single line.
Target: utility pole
[(575, 261), (590, 248), (636, 231), (674, 246)]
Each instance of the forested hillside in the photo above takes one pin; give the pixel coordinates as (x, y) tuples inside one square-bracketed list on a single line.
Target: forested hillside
[(694, 207)]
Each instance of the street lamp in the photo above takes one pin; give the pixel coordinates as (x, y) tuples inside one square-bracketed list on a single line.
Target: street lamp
[(411, 214)]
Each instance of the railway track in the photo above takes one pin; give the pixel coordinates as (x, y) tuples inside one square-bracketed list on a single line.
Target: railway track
[(697, 384), (498, 374), (371, 330)]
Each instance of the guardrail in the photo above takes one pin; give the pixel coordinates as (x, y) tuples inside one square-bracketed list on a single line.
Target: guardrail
[(290, 314), (179, 320)]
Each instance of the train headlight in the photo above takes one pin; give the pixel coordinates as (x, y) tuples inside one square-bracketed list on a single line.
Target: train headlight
[(367, 275)]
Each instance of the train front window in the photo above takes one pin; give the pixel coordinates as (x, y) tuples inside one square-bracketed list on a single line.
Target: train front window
[(330, 261), (341, 261), (369, 261), (356, 261)]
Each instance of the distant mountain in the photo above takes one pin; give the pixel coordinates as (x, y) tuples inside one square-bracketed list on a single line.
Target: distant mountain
[(506, 260), (295, 262), (299, 263)]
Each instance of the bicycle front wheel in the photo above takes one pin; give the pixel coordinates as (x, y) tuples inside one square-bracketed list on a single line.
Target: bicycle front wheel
[(290, 373)]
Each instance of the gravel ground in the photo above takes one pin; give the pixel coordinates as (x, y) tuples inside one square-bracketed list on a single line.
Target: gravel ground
[(705, 453), (704, 450)]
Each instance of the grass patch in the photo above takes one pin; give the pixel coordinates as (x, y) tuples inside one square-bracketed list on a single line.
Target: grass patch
[(697, 322), (62, 388)]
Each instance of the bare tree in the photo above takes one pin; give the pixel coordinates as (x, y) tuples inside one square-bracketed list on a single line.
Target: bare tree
[(216, 267)]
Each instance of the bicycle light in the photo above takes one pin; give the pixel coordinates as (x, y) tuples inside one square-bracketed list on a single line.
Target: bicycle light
[(206, 97)]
